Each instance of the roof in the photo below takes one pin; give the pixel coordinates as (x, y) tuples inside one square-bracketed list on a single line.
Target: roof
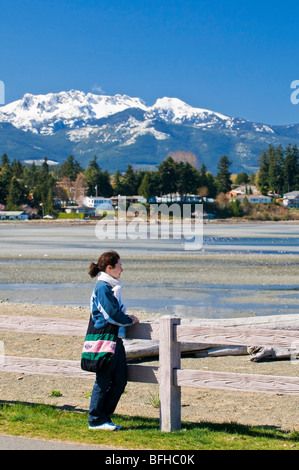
[(12, 213), (292, 194)]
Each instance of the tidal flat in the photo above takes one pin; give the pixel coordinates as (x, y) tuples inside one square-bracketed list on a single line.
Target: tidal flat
[(241, 270)]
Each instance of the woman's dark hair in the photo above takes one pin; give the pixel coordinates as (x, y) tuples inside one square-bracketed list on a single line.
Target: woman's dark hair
[(109, 258)]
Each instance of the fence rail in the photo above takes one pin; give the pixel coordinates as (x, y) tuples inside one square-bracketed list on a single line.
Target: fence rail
[(169, 374)]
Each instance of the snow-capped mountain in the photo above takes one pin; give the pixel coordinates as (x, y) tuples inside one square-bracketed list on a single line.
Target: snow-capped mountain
[(120, 130), (43, 114)]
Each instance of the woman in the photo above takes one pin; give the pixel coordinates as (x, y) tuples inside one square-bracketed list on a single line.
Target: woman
[(106, 310)]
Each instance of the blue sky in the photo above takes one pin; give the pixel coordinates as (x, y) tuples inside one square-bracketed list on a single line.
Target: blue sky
[(235, 57)]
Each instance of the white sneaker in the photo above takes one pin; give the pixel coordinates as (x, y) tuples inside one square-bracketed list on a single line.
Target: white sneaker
[(116, 425), (103, 427)]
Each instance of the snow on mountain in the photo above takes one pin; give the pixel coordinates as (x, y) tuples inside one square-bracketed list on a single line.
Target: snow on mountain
[(44, 114), (121, 129), (173, 109), (124, 133), (40, 113)]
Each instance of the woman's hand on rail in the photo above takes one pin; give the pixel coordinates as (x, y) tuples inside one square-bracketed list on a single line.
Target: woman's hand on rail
[(135, 319)]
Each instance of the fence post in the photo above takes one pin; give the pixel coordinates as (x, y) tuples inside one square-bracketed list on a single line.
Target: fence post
[(169, 359)]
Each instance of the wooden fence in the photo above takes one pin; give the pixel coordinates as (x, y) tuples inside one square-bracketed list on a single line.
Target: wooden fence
[(169, 375)]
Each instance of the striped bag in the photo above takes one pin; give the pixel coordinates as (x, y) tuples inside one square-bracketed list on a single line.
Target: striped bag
[(99, 346)]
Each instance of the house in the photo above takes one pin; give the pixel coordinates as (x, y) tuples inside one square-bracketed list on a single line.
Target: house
[(176, 197), (129, 199), (13, 215), (93, 202), (241, 190), (87, 211), (256, 199), (291, 199)]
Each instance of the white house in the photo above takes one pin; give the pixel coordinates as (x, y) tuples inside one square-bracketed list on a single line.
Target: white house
[(13, 215), (255, 199), (93, 202), (291, 199)]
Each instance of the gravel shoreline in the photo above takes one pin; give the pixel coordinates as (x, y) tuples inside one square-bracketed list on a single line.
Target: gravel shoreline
[(228, 268)]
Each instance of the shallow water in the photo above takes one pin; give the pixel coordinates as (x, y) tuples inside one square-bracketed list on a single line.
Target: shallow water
[(217, 297), (190, 300)]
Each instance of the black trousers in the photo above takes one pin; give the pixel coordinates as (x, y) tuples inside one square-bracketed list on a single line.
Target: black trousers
[(109, 385)]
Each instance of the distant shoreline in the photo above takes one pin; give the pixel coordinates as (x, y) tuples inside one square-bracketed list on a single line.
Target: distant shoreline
[(69, 222)]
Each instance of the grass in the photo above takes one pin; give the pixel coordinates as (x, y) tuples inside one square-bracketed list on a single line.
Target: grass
[(154, 400), (55, 393), (50, 422)]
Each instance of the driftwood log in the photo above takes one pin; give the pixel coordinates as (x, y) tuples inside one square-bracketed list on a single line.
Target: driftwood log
[(143, 348)]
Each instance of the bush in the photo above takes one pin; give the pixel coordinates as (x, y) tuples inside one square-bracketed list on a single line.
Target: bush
[(63, 215)]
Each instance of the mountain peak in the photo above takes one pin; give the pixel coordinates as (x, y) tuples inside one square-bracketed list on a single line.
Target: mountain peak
[(43, 114), (177, 109), (120, 128), (39, 113)]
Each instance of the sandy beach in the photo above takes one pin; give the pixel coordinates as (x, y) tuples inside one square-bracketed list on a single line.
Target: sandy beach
[(21, 264), (198, 405)]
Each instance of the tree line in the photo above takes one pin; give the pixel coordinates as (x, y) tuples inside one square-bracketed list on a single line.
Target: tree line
[(278, 170), (46, 186)]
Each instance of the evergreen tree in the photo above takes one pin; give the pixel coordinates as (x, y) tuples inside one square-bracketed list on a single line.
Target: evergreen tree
[(17, 169), (117, 186), (275, 171), (262, 177), (97, 180), (206, 185), (130, 182), (4, 160), (168, 175), (212, 186), (236, 208), (31, 176), (242, 178), (5, 178), (16, 195), (105, 183), (290, 169), (187, 178), (296, 159), (70, 168), (223, 180), (44, 171), (145, 188), (43, 192)]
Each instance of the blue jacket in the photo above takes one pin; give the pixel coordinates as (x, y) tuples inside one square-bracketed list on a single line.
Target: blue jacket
[(105, 307)]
